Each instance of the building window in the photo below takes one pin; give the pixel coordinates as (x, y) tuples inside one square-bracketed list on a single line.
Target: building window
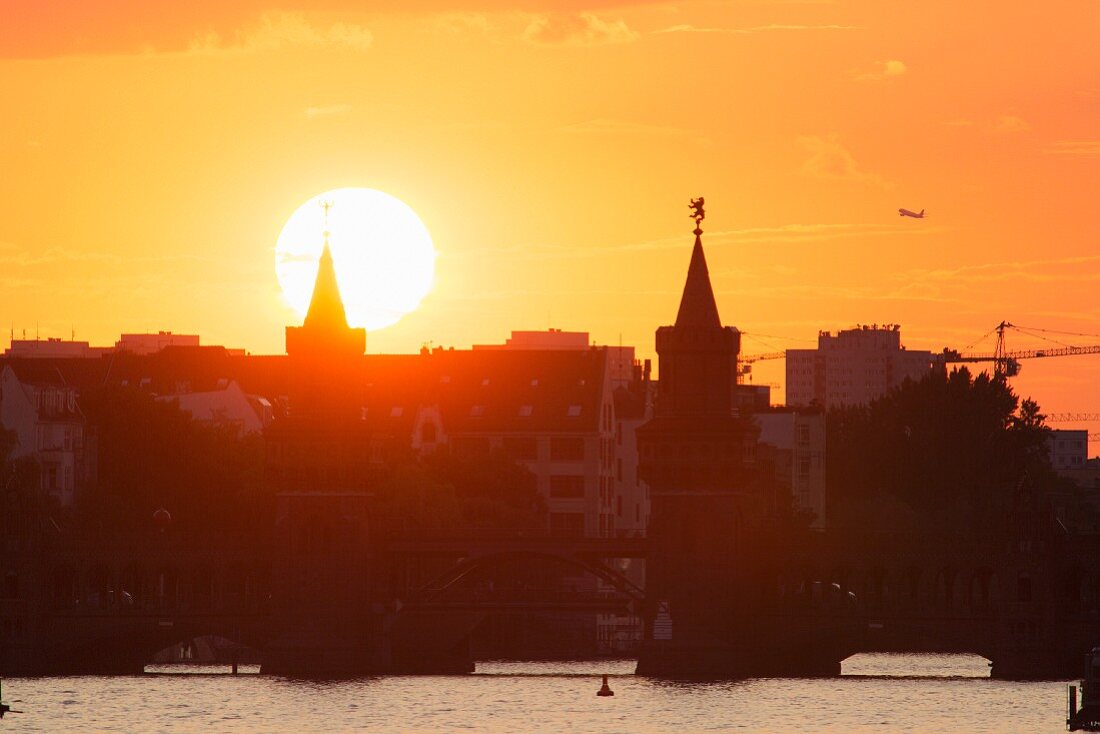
[(567, 524), (574, 411), (525, 411), (566, 448), (804, 467), (477, 411), (396, 411), (535, 382), (567, 486), (524, 448), (803, 435)]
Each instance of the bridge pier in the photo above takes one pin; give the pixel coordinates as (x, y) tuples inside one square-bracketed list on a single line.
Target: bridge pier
[(1036, 664), (326, 657), (434, 643), (661, 659)]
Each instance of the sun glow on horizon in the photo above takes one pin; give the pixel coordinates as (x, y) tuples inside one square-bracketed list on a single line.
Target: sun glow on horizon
[(383, 253)]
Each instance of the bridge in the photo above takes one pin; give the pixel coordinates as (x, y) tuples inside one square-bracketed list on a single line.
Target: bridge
[(83, 604)]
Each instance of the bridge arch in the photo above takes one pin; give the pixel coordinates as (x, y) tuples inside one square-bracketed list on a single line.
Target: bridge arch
[(981, 590), (944, 587), (470, 566)]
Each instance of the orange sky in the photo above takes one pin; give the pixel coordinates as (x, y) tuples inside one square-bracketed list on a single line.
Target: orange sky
[(151, 152)]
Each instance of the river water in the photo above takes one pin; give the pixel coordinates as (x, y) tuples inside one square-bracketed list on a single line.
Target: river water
[(881, 693)]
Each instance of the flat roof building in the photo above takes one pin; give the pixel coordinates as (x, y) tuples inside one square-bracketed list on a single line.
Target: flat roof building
[(853, 367)]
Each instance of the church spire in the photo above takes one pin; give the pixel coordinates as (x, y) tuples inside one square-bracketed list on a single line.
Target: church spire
[(325, 330), (697, 306), (326, 308)]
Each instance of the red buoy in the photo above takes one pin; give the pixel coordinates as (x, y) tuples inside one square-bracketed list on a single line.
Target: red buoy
[(605, 690)]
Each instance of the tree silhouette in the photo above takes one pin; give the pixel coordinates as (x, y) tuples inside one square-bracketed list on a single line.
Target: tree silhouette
[(150, 454), (445, 491), (951, 447)]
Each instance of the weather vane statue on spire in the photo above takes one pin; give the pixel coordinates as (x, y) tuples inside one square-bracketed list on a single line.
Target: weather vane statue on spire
[(698, 214)]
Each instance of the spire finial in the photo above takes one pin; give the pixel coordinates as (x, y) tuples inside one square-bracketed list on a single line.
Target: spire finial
[(697, 306), (326, 204), (698, 214)]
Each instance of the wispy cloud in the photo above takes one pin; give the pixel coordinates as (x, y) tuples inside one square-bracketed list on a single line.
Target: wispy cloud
[(9, 255), (581, 29), (790, 234), (312, 113), (1038, 270), (829, 159), (888, 69), (461, 22), (604, 126), (1011, 124), (278, 30), (1077, 148), (959, 283), (688, 28), (817, 291)]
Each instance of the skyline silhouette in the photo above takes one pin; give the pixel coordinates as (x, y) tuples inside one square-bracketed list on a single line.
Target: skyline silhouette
[(350, 348), (807, 126)]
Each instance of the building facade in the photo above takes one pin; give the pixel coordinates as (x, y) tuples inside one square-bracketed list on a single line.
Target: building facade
[(698, 455), (152, 343), (797, 442), (852, 367), (42, 409), (1068, 449)]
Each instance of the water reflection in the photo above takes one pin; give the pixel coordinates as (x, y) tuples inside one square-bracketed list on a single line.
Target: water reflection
[(909, 665), (877, 693)]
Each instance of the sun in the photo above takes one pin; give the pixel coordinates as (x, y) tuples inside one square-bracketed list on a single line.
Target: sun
[(384, 257)]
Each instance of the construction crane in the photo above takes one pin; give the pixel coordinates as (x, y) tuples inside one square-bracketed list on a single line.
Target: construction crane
[(1072, 417), (745, 362), (1076, 418), (1006, 363)]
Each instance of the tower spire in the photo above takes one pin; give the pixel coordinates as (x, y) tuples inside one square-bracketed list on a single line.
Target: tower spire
[(697, 306), (325, 330), (326, 308)]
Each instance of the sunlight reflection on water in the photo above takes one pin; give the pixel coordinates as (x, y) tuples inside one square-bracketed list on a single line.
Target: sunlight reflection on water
[(911, 693)]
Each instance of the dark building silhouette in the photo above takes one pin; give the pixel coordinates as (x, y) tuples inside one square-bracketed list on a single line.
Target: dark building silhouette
[(734, 588), (325, 334), (321, 589), (697, 453)]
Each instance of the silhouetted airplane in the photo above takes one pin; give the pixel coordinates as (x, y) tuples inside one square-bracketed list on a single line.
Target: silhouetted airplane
[(914, 215)]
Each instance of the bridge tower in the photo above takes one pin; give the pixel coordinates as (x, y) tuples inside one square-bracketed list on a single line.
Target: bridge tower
[(318, 462), (697, 454)]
